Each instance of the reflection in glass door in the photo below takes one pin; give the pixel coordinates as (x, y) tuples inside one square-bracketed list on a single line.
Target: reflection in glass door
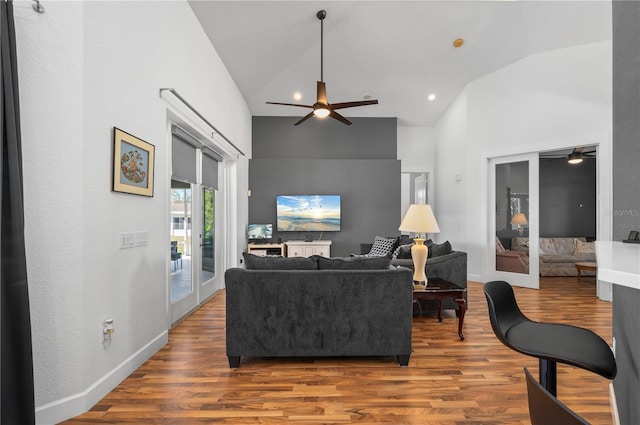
[(181, 218)]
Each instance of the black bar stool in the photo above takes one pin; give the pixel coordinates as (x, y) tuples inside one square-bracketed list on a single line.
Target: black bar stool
[(545, 409), (549, 342)]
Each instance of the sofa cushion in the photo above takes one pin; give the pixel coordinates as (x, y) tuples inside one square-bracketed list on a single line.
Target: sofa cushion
[(402, 252), (436, 250), (589, 257), (353, 263), (256, 262), (584, 247), (558, 258), (520, 243)]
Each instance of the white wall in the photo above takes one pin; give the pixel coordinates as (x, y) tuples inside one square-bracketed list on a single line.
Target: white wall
[(416, 147), (553, 99), (86, 67), (417, 152)]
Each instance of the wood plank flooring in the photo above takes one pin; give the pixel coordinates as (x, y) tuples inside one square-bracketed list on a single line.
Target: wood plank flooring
[(448, 381)]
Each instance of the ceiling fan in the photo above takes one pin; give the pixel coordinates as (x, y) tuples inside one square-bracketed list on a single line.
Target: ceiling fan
[(576, 156), (322, 108)]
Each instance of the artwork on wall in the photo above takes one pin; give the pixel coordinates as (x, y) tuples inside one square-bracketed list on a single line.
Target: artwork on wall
[(133, 162)]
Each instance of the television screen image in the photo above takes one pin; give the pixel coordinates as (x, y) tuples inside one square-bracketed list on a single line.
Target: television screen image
[(308, 213), (260, 231)]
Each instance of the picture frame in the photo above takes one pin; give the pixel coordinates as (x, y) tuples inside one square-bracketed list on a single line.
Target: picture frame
[(633, 235), (133, 164)]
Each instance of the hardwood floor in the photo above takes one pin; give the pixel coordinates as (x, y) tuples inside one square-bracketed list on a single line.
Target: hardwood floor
[(448, 381)]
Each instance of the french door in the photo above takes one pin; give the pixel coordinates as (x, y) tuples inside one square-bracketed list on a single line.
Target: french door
[(195, 219), (513, 244)]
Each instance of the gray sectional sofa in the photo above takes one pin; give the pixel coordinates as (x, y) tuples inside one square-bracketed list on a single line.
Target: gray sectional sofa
[(443, 263), (328, 311), (451, 267)]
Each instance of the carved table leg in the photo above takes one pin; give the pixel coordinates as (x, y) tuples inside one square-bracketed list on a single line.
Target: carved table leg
[(463, 308)]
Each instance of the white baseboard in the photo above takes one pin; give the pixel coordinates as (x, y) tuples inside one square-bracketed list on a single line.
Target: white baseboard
[(615, 418), (68, 407)]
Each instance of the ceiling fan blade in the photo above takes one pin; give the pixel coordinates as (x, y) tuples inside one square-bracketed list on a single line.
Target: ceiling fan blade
[(290, 104), (303, 119), (322, 93), (334, 114), (353, 104)]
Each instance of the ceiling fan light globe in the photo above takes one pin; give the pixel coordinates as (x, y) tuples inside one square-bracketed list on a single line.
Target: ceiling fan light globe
[(575, 158), (321, 112)]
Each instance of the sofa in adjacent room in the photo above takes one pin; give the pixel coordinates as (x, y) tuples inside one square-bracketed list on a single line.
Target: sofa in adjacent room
[(317, 307), (558, 256)]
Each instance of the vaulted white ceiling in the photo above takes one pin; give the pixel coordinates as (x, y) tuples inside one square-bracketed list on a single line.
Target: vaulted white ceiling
[(398, 52)]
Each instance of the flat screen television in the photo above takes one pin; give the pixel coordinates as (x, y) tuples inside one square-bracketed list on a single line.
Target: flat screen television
[(308, 213), (259, 232)]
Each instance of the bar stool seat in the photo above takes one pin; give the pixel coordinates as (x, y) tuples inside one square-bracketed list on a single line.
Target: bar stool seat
[(549, 342)]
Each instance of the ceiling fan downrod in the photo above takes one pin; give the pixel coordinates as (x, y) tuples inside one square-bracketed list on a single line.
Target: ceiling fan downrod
[(321, 15)]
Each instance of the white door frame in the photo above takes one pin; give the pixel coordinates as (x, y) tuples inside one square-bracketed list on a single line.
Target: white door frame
[(431, 190), (604, 188), (226, 200)]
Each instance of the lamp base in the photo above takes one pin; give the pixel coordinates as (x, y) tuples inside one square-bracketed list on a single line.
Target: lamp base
[(419, 253)]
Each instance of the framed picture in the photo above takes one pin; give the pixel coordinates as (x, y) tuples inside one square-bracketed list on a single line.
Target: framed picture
[(633, 235), (133, 162)]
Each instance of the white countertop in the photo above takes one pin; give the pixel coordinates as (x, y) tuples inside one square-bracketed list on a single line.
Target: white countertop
[(619, 263)]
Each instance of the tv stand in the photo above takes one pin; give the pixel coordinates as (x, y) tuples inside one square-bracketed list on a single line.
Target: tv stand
[(297, 248), (263, 249)]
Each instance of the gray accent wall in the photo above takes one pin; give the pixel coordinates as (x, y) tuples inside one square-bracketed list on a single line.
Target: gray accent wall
[(626, 198), (358, 162), (567, 198)]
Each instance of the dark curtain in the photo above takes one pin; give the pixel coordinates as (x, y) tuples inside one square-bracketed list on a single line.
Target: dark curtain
[(17, 404)]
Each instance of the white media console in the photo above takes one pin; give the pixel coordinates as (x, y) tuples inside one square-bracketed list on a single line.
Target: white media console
[(307, 249)]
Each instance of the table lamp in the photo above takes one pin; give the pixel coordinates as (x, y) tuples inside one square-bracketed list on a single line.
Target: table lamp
[(521, 220), (419, 219)]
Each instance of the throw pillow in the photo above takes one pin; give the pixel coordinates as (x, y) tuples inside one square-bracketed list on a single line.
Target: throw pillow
[(585, 247), (403, 252), (436, 250), (256, 262), (381, 247), (499, 247), (353, 263)]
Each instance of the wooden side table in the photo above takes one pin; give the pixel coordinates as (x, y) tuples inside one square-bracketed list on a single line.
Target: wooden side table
[(440, 289), (585, 265)]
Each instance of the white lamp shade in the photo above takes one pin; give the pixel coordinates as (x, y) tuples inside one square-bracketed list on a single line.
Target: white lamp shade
[(520, 219), (419, 219)]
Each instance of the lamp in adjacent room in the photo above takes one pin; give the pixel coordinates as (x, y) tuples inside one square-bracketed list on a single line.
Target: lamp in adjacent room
[(521, 220), (419, 219)]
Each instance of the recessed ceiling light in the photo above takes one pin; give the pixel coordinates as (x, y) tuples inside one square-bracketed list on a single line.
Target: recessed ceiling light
[(458, 42), (297, 95), (432, 97)]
